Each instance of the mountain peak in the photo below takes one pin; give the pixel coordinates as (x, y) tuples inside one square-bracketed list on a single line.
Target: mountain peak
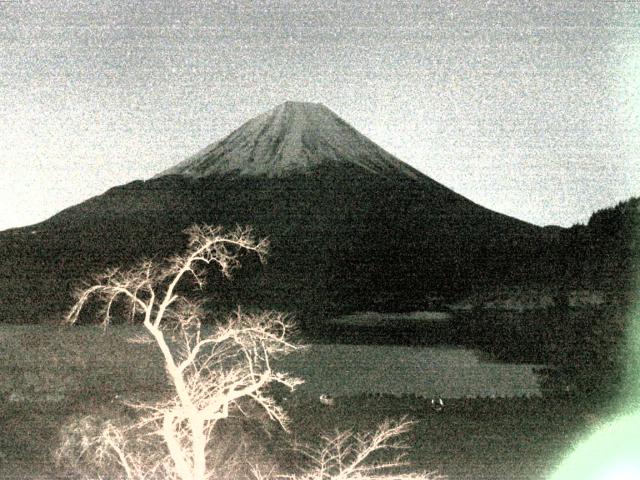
[(292, 137), (301, 106)]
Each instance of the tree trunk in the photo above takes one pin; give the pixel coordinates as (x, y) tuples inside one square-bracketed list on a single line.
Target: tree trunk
[(199, 447), (175, 449)]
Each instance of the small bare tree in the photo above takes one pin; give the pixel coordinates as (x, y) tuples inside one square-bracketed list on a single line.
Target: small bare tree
[(348, 456), (209, 374)]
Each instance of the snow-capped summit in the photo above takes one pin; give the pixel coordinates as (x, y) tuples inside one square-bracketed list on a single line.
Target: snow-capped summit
[(293, 137)]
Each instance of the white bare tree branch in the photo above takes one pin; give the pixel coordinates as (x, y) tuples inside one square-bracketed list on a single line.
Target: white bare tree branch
[(209, 374), (348, 456)]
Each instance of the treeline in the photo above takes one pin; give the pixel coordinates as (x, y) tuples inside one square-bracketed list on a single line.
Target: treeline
[(603, 254)]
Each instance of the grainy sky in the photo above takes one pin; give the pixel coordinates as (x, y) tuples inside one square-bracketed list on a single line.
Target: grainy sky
[(529, 108)]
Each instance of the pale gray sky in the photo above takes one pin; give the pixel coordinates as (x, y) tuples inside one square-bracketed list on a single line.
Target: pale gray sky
[(529, 108)]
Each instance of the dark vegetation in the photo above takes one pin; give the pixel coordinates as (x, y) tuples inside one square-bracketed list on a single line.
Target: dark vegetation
[(342, 241), (604, 253)]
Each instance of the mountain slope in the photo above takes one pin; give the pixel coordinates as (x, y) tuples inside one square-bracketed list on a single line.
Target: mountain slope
[(351, 227), (294, 136)]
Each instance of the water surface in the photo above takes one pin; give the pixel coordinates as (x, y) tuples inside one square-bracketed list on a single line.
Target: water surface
[(449, 372)]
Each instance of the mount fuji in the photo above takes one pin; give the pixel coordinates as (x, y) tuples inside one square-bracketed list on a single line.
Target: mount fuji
[(352, 228)]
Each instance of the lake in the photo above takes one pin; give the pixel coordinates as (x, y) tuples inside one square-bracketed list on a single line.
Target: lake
[(448, 372), (481, 352), (58, 361), (431, 353)]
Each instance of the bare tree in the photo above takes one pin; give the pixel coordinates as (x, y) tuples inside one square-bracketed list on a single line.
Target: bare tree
[(209, 374), (348, 456)]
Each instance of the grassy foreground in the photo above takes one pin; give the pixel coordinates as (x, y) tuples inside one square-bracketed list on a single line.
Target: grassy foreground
[(50, 374)]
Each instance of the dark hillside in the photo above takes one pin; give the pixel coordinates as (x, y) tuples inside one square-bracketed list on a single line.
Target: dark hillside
[(342, 240), (605, 253)]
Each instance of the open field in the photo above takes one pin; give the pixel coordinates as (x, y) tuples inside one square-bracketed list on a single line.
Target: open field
[(50, 374)]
